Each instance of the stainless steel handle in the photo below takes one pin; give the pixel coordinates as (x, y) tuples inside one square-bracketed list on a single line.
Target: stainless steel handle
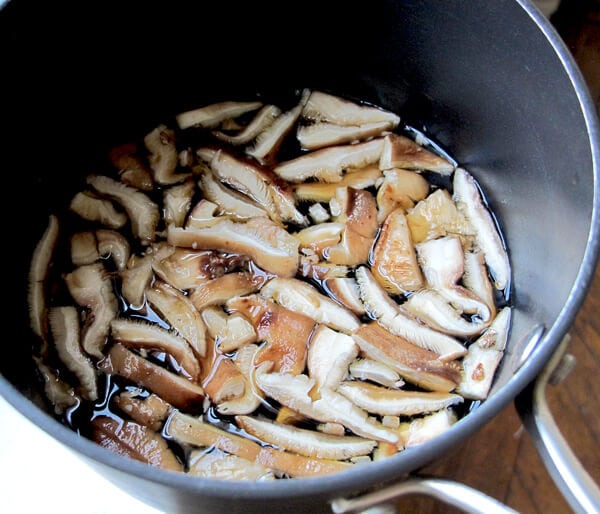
[(573, 481)]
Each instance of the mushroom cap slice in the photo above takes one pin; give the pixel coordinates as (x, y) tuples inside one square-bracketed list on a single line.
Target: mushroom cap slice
[(323, 134), (270, 246), (329, 163), (345, 291), (305, 442), (135, 278), (375, 371), (202, 215), (115, 245), (219, 465), (263, 119), (376, 301), (64, 324), (424, 429), (320, 236), (210, 116), (400, 188), (219, 290), (470, 203), (163, 157), (395, 402), (132, 170), (97, 209), (60, 394), (402, 152), (230, 332), (84, 248), (301, 297), (476, 279), (150, 411), (177, 201)]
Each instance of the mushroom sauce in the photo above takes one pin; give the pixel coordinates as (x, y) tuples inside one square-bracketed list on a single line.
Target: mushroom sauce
[(256, 293)]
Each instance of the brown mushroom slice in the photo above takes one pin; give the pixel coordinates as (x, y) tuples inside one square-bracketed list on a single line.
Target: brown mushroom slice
[(476, 279), (375, 371), (432, 308), (177, 201), (163, 157), (211, 115), (324, 192), (443, 262), (306, 442), (424, 429), (345, 291), (150, 411), (114, 245), (286, 333), (219, 290), (395, 264), (91, 287), (219, 465), (269, 245), (318, 135), (230, 332), (320, 236), (135, 278), (174, 389), (402, 323), (389, 402), (329, 163), (298, 296), (230, 202), (325, 107), (437, 216), (470, 203), (96, 209), (60, 394), (139, 334), (135, 441), (132, 169), (189, 430), (177, 309), (261, 185), (329, 355), (483, 357), (263, 119), (413, 363), (202, 215), (402, 152), (84, 248), (294, 391), (400, 188), (182, 268), (311, 267), (64, 325), (143, 212)]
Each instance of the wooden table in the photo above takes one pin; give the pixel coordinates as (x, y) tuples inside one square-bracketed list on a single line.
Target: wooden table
[(501, 460)]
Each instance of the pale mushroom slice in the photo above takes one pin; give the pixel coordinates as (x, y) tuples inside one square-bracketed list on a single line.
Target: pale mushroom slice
[(193, 431), (303, 298), (84, 248), (177, 201), (318, 135), (174, 389), (325, 107), (401, 322), (362, 178), (476, 279), (230, 332), (329, 356), (286, 333), (143, 212), (217, 291), (471, 204), (64, 325), (132, 169), (136, 441), (402, 152), (394, 258), (178, 310), (38, 273), (375, 371), (389, 402), (437, 216), (149, 410), (91, 287), (318, 213), (60, 394), (163, 156), (135, 278), (311, 267), (114, 245), (219, 465), (294, 391), (305, 442), (421, 430), (345, 291), (329, 163), (142, 335), (483, 357), (202, 215), (415, 364), (269, 245), (91, 208), (400, 188), (230, 202), (263, 119), (320, 236), (211, 115)]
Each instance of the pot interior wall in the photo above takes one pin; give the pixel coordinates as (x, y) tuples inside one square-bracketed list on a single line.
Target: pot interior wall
[(480, 76)]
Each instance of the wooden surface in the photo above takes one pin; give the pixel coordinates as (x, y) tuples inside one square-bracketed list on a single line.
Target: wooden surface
[(501, 460)]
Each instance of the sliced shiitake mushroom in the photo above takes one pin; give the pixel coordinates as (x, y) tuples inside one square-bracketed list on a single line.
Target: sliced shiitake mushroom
[(177, 201), (211, 115), (92, 208), (261, 121), (402, 152)]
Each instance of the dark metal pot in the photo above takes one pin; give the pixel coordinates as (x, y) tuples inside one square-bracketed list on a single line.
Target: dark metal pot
[(491, 81)]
